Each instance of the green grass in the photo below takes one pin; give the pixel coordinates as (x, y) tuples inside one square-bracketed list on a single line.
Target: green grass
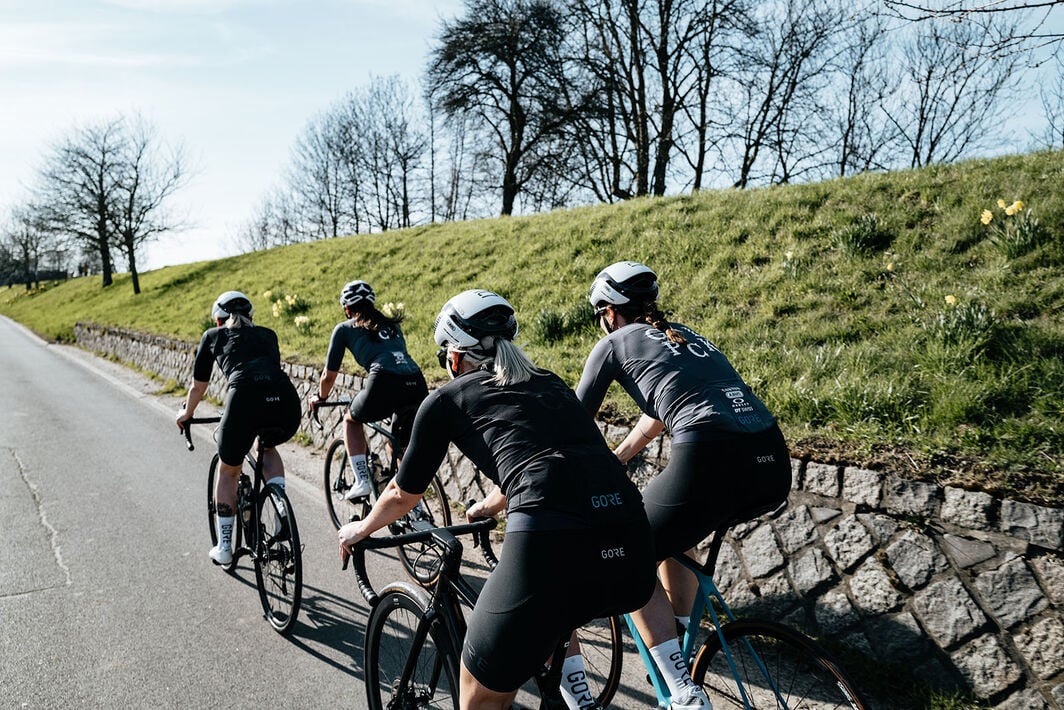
[(880, 320)]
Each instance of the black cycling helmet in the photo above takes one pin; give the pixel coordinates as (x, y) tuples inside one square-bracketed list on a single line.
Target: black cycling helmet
[(624, 282), (355, 292), (229, 303), (468, 318)]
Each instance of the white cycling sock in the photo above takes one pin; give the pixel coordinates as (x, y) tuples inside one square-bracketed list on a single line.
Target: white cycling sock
[(669, 659), (575, 689), (360, 467), (225, 531)]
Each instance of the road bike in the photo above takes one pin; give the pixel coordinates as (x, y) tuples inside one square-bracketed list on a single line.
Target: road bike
[(420, 561), (265, 530), (414, 635), (748, 663)]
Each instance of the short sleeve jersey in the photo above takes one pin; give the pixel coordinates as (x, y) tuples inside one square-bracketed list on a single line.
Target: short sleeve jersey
[(245, 355), (533, 439), (384, 351), (691, 386)]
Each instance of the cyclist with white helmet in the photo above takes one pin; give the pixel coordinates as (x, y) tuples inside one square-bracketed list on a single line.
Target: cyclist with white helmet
[(577, 540), (394, 383), (729, 460), (260, 396)]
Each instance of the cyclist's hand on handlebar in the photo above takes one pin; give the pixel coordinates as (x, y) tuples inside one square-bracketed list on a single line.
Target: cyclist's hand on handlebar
[(476, 512), (182, 417), (313, 401), (348, 535)]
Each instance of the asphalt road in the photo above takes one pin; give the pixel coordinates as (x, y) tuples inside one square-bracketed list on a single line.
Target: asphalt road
[(107, 597)]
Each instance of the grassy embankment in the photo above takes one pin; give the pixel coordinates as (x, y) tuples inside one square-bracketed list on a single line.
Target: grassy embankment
[(881, 321)]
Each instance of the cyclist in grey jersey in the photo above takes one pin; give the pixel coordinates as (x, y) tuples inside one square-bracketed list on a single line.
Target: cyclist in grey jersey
[(394, 384), (690, 387), (728, 461)]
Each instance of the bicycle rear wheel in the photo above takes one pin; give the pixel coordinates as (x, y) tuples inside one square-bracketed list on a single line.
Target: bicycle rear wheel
[(336, 481), (390, 636), (602, 649), (778, 667), (422, 560), (212, 515), (278, 560)]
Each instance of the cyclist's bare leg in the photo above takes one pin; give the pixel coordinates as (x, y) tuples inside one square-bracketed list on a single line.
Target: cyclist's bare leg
[(272, 465), (474, 696), (655, 620), (225, 487), (354, 436), (681, 586)]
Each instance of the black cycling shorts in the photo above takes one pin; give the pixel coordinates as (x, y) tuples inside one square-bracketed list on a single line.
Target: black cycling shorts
[(548, 583), (387, 394), (708, 483), (252, 408)]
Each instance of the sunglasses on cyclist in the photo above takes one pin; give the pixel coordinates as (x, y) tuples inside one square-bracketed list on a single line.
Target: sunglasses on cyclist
[(441, 356), (599, 312)]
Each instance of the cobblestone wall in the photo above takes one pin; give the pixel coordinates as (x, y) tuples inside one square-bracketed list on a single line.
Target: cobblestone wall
[(963, 589)]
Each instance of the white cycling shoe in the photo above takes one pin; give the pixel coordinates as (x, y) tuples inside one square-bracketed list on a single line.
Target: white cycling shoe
[(691, 697), (221, 555), (359, 489)]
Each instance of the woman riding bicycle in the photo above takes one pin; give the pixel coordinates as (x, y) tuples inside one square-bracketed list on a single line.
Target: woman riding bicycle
[(260, 397), (577, 541), (394, 383), (729, 460)]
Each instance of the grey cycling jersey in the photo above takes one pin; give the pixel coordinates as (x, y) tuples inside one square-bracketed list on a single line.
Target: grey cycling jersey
[(691, 387), (381, 352)]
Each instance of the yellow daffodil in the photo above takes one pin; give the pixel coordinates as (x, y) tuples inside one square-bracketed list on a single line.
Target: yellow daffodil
[(267, 294), (986, 217), (1001, 204), (890, 266), (1017, 206), (951, 300)]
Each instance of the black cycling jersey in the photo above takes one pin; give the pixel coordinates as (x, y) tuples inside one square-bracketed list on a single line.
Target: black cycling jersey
[(245, 355), (374, 352), (534, 440), (691, 386)]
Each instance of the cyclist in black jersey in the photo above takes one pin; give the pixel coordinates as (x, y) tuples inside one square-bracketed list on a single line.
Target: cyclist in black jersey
[(394, 383), (729, 460), (260, 396), (578, 544)]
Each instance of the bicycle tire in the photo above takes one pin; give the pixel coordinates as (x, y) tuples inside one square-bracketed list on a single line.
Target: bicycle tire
[(802, 672), (389, 643), (212, 515), (422, 560), (336, 481), (603, 650), (278, 560)]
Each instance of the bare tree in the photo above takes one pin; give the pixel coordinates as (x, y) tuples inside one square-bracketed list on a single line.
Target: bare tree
[(274, 223), (1053, 105), (146, 177), (498, 64), (77, 186), (26, 240), (782, 68), (953, 90), (322, 174), (1028, 35)]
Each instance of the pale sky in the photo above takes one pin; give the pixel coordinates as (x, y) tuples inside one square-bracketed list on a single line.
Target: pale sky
[(234, 81)]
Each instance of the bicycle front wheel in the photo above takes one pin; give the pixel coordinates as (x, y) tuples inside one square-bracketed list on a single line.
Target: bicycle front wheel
[(602, 649), (422, 560), (336, 481), (212, 514), (392, 639), (278, 560), (777, 667)]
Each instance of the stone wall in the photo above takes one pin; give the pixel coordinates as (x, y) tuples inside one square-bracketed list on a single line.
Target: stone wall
[(964, 590)]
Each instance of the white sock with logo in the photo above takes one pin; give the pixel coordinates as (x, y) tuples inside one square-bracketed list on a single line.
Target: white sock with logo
[(225, 531), (669, 659), (576, 692), (360, 468)]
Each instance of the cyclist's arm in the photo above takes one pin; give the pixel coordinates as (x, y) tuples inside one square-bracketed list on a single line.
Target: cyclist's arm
[(644, 431), (392, 504), (195, 394), (597, 376), (492, 505), (326, 382)]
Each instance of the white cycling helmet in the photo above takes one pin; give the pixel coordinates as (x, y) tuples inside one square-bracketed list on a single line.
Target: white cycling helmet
[(465, 320), (624, 282), (231, 302), (356, 292)]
